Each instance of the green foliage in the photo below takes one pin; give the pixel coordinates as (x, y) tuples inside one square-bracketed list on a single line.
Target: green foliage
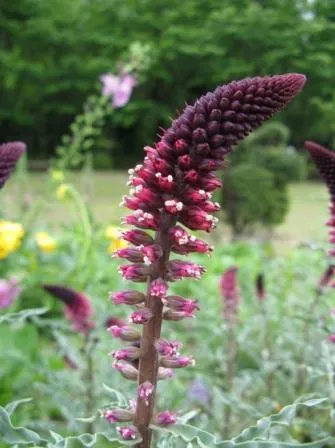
[(263, 167), (50, 61), (250, 197)]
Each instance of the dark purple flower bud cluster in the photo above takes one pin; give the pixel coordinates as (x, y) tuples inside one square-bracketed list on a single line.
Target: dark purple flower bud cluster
[(9, 156), (324, 160), (230, 293), (171, 191)]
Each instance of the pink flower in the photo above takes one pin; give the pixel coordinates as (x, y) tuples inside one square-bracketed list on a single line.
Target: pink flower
[(9, 156), (128, 432), (120, 87), (9, 291), (145, 391), (77, 309), (118, 415)]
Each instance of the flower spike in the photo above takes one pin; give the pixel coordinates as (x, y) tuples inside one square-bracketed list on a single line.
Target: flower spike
[(171, 191)]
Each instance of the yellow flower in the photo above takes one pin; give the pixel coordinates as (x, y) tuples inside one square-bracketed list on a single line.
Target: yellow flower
[(45, 242), (57, 175), (11, 234), (114, 234), (62, 191)]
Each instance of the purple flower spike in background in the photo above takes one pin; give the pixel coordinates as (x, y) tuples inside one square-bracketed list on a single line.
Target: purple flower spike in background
[(230, 294), (172, 191), (9, 291), (9, 155), (260, 287), (119, 87), (78, 308)]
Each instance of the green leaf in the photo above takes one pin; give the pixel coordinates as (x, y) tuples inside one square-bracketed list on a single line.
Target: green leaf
[(11, 434), (247, 438)]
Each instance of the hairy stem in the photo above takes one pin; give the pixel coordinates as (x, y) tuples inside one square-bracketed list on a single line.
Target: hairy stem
[(148, 365), (230, 369)]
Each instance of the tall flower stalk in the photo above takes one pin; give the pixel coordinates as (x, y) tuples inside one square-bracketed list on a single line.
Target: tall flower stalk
[(10, 153), (170, 191), (324, 160)]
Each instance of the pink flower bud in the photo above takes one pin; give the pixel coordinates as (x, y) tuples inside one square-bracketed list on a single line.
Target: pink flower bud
[(191, 177), (165, 418), (164, 373), (196, 218), (167, 348), (178, 235), (192, 196), (127, 354), (118, 415), (331, 338), (135, 272), (185, 162), (175, 316), (130, 254), (193, 245), (176, 362), (128, 297), (179, 269), (142, 220), (141, 316), (137, 237), (166, 184), (128, 432), (151, 253), (210, 182), (210, 207), (173, 206), (230, 294), (181, 146), (162, 166), (127, 370), (148, 196), (144, 391), (125, 333), (158, 288), (211, 165), (187, 307)]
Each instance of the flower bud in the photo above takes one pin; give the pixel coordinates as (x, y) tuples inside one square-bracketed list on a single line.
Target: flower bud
[(128, 432), (141, 316), (127, 354), (176, 362), (142, 220), (135, 272), (128, 297), (137, 237), (164, 373), (158, 288), (165, 418), (144, 391), (173, 206), (125, 333), (179, 269), (167, 348), (130, 254), (186, 306), (118, 415), (127, 370)]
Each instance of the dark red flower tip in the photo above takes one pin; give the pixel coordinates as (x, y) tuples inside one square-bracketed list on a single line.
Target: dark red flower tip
[(324, 159), (222, 118), (78, 308), (9, 155)]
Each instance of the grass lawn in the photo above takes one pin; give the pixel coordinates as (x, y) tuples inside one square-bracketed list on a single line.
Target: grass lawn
[(304, 223)]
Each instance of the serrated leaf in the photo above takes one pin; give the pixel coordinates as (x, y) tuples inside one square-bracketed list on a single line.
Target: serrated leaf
[(11, 434), (10, 407)]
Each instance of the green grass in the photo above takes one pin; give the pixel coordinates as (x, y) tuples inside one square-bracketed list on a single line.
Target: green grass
[(104, 191)]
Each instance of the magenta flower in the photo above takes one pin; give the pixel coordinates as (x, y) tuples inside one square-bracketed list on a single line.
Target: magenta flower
[(9, 291), (9, 156), (77, 309), (172, 191), (324, 160), (230, 293), (119, 87)]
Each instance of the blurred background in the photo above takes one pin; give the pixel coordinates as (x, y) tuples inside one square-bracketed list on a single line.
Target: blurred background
[(52, 56)]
